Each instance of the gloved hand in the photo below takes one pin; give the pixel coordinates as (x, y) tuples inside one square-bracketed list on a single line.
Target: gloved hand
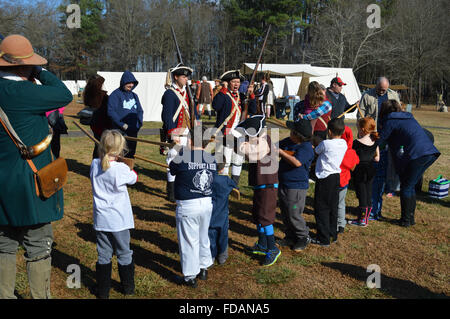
[(125, 127), (36, 71)]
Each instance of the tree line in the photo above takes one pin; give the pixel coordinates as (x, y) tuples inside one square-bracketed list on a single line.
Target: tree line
[(410, 47)]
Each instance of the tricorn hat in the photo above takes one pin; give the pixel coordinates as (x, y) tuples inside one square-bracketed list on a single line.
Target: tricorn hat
[(181, 69), (231, 75), (301, 126), (253, 125), (17, 50)]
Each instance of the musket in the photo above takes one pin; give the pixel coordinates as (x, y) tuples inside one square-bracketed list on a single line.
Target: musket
[(255, 70), (128, 161), (188, 88)]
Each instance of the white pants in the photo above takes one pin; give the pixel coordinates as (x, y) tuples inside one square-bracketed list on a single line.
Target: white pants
[(206, 106), (231, 159), (171, 154), (192, 220)]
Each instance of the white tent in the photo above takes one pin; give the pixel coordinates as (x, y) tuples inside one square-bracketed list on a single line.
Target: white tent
[(150, 90), (291, 85), (71, 85), (278, 86), (294, 73)]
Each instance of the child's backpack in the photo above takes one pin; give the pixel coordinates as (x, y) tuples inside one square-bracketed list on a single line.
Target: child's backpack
[(438, 188)]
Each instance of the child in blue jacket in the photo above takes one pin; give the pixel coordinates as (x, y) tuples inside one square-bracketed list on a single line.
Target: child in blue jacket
[(218, 226)]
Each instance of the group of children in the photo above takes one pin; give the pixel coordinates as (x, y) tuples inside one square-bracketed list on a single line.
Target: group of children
[(202, 193)]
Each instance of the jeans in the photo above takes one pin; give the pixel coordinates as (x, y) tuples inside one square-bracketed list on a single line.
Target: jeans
[(341, 207), (413, 172), (379, 183)]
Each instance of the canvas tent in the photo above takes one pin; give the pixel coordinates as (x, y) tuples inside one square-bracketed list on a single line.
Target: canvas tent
[(298, 76), (71, 85), (150, 90)]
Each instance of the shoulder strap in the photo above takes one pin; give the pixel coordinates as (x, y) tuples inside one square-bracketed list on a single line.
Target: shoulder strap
[(9, 129), (15, 138)]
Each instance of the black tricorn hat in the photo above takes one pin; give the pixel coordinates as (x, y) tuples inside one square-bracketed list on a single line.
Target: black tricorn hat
[(231, 75), (181, 69), (301, 126), (253, 125)]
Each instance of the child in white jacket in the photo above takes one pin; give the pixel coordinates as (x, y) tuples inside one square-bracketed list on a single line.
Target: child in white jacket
[(113, 215)]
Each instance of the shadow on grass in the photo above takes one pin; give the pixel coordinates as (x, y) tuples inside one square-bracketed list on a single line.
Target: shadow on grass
[(158, 263), (397, 288), (77, 167), (153, 216), (423, 197), (155, 174), (62, 261)]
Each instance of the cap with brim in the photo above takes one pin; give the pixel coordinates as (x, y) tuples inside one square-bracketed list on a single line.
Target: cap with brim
[(252, 126), (338, 80), (17, 50), (181, 69), (301, 126), (231, 75)]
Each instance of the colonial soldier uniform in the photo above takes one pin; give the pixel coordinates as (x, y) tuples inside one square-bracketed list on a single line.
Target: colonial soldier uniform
[(176, 119), (229, 106)]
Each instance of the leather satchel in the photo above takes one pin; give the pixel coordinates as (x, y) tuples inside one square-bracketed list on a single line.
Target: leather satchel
[(49, 179)]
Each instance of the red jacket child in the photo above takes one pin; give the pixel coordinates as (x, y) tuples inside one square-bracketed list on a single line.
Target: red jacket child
[(350, 160)]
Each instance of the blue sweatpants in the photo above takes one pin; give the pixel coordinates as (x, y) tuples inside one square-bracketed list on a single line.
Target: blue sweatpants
[(218, 233)]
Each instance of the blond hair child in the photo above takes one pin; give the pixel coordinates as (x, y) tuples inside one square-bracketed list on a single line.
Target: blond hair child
[(113, 216)]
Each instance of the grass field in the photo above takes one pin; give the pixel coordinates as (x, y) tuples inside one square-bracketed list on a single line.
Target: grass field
[(414, 262)]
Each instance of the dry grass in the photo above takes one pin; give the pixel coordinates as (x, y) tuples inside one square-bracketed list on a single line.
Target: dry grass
[(414, 262)]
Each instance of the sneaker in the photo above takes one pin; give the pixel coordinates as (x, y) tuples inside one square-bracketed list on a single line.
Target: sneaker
[(271, 257), (285, 242), (258, 250), (360, 223), (203, 274), (182, 282), (390, 195), (317, 242), (340, 230), (301, 244)]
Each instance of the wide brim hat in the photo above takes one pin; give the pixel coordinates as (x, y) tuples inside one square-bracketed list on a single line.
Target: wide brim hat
[(301, 126), (16, 50), (181, 69), (253, 125), (231, 75)]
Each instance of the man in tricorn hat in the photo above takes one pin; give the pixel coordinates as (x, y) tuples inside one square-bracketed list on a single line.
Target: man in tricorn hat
[(230, 107), (176, 116), (25, 218)]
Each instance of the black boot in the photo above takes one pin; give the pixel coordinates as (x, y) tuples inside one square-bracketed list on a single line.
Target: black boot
[(405, 209), (126, 274), (171, 192), (412, 209), (103, 275), (235, 178)]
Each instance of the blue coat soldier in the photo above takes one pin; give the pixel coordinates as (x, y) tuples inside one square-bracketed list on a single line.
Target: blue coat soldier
[(176, 116), (229, 105)]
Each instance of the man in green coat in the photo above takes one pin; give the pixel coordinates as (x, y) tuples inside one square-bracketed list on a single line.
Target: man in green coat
[(24, 217)]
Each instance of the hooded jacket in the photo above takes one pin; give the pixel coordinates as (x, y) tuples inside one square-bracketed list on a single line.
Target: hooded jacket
[(402, 129), (124, 106), (350, 160)]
